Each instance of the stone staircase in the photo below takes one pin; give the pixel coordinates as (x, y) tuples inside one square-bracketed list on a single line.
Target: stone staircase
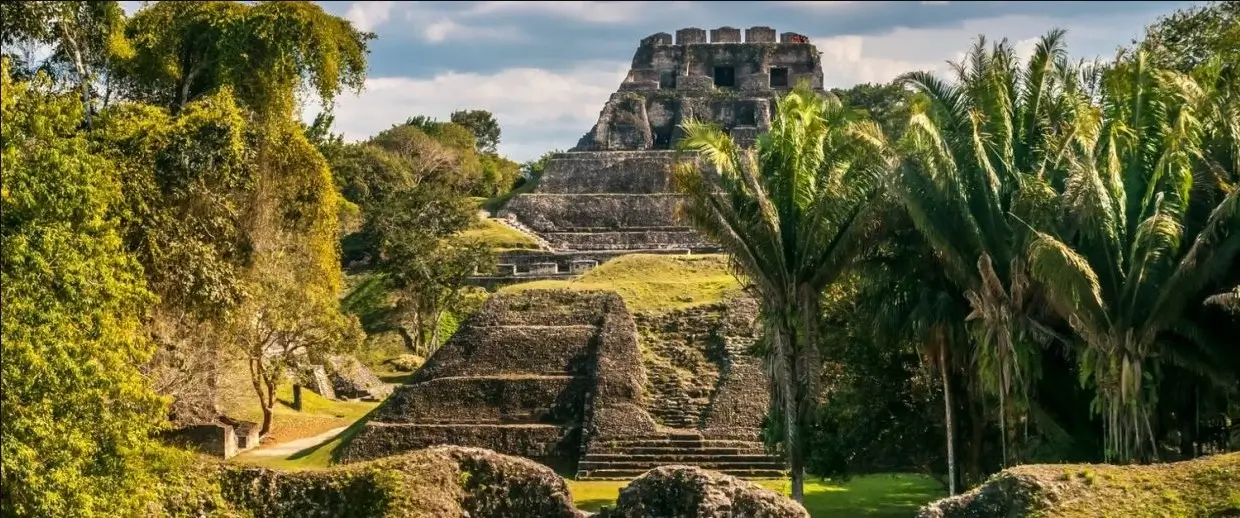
[(630, 457)]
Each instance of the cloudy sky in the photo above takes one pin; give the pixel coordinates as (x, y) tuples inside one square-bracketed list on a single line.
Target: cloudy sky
[(546, 68)]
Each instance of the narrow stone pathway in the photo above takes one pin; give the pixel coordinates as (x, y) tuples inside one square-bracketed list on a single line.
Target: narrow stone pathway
[(291, 447)]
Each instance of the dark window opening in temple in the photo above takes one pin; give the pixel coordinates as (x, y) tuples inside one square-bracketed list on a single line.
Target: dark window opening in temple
[(745, 116), (725, 77), (779, 77), (667, 80)]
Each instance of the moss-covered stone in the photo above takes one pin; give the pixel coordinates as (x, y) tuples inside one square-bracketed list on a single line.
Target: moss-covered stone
[(685, 491), (1208, 487), (445, 481)]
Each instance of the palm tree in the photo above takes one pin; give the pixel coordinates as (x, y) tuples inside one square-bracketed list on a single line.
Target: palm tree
[(1117, 268), (981, 155), (906, 299), (791, 214)]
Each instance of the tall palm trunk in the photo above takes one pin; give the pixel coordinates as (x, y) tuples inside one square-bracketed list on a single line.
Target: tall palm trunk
[(949, 420)]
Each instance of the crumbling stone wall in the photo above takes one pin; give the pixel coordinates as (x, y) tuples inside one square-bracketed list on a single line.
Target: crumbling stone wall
[(700, 375)]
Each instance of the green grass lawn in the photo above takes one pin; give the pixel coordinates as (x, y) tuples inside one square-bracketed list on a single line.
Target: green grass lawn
[(655, 283), (499, 236), (879, 496)]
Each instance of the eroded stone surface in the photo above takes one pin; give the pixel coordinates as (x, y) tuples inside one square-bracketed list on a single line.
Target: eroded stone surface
[(690, 491)]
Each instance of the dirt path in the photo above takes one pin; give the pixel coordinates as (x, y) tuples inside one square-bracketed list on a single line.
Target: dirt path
[(291, 447)]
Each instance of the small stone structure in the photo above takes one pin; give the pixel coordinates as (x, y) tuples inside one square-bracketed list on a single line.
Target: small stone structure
[(559, 376), (223, 437)]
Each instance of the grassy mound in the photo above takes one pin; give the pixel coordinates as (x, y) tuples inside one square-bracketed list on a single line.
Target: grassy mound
[(499, 236), (1208, 486), (655, 283)]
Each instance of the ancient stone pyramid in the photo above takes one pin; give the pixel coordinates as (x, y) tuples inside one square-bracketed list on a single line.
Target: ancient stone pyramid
[(558, 376), (611, 194)]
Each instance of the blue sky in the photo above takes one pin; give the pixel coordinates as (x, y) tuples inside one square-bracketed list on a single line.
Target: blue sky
[(546, 68)]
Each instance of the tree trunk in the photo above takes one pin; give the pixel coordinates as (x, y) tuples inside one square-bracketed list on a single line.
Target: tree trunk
[(792, 429), (258, 377), (949, 425), (269, 406)]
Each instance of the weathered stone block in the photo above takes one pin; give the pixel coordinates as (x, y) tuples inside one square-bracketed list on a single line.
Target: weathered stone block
[(690, 35), (725, 35), (543, 268), (582, 266), (760, 34), (792, 37), (505, 269), (658, 38)]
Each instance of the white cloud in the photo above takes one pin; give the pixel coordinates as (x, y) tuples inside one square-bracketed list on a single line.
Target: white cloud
[(594, 12), (368, 15), (853, 59), (538, 109)]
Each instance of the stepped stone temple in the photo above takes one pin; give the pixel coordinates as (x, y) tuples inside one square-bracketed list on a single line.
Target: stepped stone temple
[(558, 376), (573, 378), (611, 194)]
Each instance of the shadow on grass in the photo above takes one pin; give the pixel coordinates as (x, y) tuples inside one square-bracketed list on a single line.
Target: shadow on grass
[(594, 505), (337, 443)]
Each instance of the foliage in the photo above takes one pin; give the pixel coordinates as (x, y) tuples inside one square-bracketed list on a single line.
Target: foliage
[(76, 411), (185, 50), (982, 160), (499, 175), (1129, 197), (792, 216), (482, 124), (1187, 39), (85, 38)]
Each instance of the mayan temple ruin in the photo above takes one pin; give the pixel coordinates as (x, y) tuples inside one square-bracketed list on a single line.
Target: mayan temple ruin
[(575, 379), (611, 194)]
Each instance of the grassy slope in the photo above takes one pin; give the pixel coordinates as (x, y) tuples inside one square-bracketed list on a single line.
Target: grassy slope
[(499, 236), (872, 496), (1192, 488), (655, 283)]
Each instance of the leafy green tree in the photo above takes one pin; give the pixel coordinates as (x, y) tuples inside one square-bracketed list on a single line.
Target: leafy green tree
[(76, 413), (1129, 259), (482, 125), (980, 157), (499, 175), (1189, 38), (85, 37), (185, 50), (421, 258), (791, 216)]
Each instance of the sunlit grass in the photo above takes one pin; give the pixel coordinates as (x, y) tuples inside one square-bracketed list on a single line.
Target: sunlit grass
[(499, 236), (882, 496), (653, 282)]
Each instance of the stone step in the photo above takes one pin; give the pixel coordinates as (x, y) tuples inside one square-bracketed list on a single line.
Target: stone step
[(685, 442), (624, 240), (669, 450), (715, 465), (626, 474), (678, 457)]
